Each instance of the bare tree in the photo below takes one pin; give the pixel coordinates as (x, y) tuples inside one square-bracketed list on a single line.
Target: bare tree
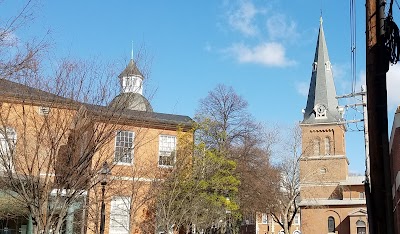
[(227, 127), (19, 58), (224, 119), (56, 131), (284, 206)]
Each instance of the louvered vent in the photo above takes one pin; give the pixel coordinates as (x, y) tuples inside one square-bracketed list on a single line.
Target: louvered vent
[(43, 110)]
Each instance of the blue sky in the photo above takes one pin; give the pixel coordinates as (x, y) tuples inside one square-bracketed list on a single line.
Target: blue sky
[(263, 49)]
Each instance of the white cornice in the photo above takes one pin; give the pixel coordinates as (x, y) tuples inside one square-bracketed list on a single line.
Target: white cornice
[(331, 202), (324, 157)]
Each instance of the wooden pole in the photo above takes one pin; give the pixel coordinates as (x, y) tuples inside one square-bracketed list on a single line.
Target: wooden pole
[(379, 202)]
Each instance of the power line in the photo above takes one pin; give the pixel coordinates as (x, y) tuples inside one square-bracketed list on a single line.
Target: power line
[(353, 42)]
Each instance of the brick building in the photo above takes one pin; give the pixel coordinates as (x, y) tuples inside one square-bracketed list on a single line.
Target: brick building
[(62, 144), (394, 149)]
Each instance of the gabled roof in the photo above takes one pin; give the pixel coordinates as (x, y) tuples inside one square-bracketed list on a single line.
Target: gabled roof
[(131, 70), (358, 212), (322, 88), (14, 92)]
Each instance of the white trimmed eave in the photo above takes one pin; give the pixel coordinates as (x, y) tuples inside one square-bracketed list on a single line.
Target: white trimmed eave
[(324, 157), (332, 202), (317, 124)]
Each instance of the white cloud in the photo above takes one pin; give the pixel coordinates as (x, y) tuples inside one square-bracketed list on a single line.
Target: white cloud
[(208, 47), (340, 71), (9, 39), (393, 86), (279, 27), (269, 54), (302, 88), (361, 80), (242, 18)]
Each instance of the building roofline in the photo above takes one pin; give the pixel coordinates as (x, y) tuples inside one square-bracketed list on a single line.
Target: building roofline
[(13, 92), (332, 202)]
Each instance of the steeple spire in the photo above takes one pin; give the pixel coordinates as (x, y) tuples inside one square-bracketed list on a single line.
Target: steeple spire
[(321, 103), (132, 52)]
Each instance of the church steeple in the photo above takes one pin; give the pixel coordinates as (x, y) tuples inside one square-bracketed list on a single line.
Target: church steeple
[(322, 105)]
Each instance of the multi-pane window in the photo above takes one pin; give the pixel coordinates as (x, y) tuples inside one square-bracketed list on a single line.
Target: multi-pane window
[(119, 215), (361, 227), (8, 140), (167, 149), (296, 220), (124, 147), (264, 218)]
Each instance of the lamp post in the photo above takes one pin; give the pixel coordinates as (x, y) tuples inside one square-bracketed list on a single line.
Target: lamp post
[(228, 217), (104, 173)]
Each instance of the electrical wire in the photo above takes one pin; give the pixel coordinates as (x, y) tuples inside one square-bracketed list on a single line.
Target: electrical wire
[(353, 42), (398, 6)]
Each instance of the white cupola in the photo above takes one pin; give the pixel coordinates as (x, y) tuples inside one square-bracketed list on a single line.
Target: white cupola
[(131, 79)]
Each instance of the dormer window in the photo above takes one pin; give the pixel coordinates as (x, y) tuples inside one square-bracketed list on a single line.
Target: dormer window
[(314, 65), (328, 66)]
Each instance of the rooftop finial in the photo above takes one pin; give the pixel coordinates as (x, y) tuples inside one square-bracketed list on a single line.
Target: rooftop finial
[(132, 51), (320, 18)]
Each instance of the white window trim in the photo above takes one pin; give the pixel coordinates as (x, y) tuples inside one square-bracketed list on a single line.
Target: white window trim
[(262, 218), (132, 149), (10, 135), (159, 144), (298, 219), (127, 201)]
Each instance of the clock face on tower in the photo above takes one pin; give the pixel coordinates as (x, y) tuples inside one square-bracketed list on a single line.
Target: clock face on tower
[(320, 111)]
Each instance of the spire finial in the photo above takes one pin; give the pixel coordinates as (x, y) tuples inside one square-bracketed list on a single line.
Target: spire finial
[(132, 51), (320, 18)]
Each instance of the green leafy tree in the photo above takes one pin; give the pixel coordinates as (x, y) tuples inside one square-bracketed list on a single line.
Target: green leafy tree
[(227, 127), (198, 194)]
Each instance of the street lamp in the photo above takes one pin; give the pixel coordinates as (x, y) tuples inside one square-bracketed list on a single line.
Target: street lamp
[(104, 173), (228, 217)]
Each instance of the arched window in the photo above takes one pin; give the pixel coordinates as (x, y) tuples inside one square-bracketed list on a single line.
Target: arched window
[(8, 138), (327, 146), (361, 228), (331, 224), (316, 145)]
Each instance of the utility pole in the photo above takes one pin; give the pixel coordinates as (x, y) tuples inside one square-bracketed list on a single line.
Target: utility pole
[(379, 202)]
